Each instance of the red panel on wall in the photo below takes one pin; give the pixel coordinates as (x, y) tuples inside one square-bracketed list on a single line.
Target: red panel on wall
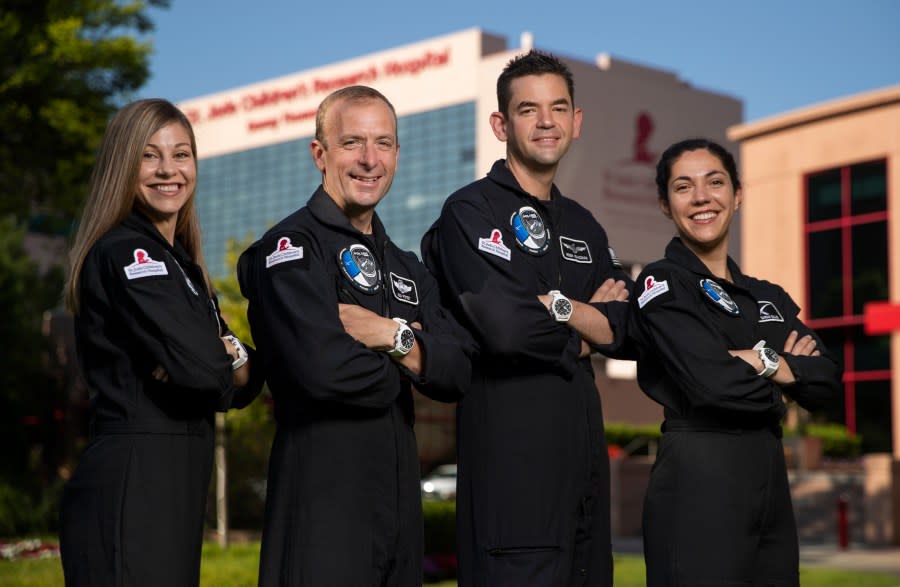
[(881, 317)]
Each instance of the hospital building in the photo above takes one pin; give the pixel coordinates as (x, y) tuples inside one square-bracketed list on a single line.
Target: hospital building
[(819, 214)]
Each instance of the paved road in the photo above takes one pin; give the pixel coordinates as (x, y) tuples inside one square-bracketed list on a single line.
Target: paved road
[(856, 558)]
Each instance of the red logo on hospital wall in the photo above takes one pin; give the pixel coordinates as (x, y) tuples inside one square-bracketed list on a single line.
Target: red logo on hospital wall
[(629, 183), (643, 130)]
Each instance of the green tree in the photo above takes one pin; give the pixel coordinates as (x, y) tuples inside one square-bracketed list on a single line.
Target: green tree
[(249, 431), (27, 408), (65, 66)]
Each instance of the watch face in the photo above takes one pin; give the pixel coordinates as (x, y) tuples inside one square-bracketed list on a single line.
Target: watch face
[(771, 355), (562, 307), (407, 339)]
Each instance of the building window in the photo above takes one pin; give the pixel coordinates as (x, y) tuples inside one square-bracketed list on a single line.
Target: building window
[(847, 259), (241, 195)]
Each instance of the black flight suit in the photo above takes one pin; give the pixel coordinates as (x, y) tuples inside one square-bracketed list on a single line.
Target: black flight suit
[(533, 487), (343, 504), (133, 512), (718, 508)]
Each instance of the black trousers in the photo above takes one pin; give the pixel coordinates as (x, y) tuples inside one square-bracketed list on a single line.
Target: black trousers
[(718, 510)]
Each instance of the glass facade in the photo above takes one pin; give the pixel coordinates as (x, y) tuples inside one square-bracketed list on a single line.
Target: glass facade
[(847, 244), (240, 195)]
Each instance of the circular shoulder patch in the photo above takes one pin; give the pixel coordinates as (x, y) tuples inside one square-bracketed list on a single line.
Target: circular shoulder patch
[(532, 235), (719, 297), (358, 265)]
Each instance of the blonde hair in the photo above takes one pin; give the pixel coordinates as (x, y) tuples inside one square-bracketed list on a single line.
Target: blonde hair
[(113, 187)]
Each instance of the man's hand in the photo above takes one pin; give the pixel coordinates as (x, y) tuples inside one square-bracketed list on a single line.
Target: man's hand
[(160, 374), (374, 331), (610, 291)]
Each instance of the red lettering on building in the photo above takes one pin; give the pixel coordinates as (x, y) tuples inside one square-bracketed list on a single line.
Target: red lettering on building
[(365, 76), (193, 115), (215, 111), (255, 125), (418, 64), (299, 116), (272, 97)]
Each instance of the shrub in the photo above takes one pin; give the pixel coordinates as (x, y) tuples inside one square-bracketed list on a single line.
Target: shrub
[(836, 441), (634, 439), (440, 526)]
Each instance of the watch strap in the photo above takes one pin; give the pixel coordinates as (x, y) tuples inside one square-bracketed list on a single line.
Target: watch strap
[(241, 351)]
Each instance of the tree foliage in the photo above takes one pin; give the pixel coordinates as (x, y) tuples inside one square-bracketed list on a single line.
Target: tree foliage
[(65, 66), (249, 431)]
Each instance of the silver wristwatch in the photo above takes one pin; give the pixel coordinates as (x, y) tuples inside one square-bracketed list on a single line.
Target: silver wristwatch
[(560, 306), (770, 359), (241, 351), (404, 339)]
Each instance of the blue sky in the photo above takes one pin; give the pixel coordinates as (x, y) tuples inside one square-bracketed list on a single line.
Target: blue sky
[(774, 55)]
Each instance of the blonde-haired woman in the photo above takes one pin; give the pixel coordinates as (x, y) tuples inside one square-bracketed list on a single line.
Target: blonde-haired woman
[(157, 357)]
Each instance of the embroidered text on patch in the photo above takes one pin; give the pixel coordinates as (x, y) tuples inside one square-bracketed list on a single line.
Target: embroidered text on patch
[(494, 245), (768, 312), (284, 252), (652, 289), (574, 250), (144, 266), (404, 289)]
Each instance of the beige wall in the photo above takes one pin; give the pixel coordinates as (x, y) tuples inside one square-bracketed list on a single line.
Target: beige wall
[(777, 153)]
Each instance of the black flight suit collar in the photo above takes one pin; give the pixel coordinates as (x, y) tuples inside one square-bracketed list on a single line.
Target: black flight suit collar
[(501, 175), (678, 253), (139, 222), (326, 211)]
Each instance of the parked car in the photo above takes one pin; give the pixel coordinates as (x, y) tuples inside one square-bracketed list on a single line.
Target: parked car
[(440, 483)]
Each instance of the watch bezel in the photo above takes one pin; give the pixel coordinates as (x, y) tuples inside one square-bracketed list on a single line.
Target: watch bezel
[(770, 360), (403, 332), (560, 316)]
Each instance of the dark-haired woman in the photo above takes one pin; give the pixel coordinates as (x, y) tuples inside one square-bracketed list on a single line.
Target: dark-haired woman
[(719, 350)]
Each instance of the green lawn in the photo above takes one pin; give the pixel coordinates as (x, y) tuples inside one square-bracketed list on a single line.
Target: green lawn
[(237, 567)]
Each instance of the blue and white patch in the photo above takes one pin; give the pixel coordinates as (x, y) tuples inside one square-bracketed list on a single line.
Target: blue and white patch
[(494, 245), (532, 235), (144, 266), (284, 251), (652, 289), (358, 265), (404, 289), (768, 312), (574, 250), (719, 297)]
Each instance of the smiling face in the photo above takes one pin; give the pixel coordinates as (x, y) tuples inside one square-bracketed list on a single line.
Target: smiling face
[(167, 178), (357, 156), (701, 201), (540, 122)]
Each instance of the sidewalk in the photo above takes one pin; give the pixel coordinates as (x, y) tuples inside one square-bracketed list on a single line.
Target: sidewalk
[(857, 557)]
